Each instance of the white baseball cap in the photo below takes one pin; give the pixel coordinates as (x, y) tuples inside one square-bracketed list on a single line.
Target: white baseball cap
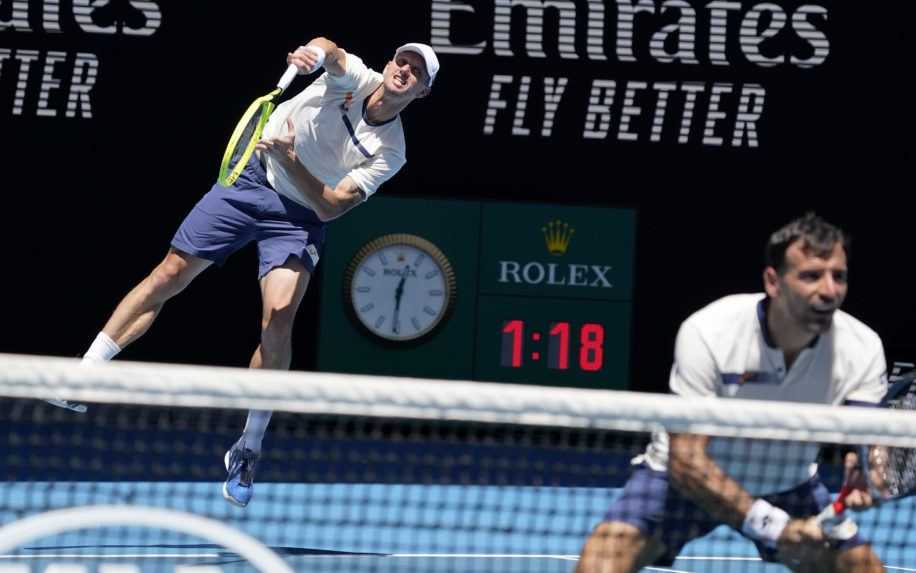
[(428, 55)]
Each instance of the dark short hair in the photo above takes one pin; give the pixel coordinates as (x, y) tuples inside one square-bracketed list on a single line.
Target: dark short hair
[(817, 237)]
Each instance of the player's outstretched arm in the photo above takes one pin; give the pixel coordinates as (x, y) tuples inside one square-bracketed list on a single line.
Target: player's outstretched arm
[(699, 478)]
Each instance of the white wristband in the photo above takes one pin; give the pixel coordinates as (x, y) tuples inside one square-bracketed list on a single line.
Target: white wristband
[(765, 522), (320, 54)]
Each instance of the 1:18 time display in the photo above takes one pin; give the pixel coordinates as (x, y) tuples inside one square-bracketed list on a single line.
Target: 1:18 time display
[(568, 345)]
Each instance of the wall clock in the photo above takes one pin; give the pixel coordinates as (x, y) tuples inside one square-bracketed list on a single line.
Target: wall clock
[(399, 287)]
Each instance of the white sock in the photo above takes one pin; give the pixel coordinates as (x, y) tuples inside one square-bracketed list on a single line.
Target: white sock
[(255, 428), (102, 349)]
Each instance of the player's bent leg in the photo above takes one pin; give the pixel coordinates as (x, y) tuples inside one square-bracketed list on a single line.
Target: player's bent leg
[(137, 311), (859, 559), (282, 290), (826, 558), (615, 547)]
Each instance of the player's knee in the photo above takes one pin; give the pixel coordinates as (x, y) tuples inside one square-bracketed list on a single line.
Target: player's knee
[(860, 559), (613, 547), (169, 277), (618, 533), (277, 328)]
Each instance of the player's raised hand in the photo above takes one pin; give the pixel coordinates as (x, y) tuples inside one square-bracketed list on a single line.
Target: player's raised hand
[(307, 59)]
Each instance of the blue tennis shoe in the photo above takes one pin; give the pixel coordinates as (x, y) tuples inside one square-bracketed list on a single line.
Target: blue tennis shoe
[(240, 463)]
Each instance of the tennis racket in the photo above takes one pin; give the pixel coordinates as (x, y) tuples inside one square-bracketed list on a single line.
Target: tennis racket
[(890, 473), (248, 131)]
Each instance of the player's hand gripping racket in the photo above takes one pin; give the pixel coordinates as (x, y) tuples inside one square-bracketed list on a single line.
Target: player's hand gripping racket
[(888, 473), (248, 131)]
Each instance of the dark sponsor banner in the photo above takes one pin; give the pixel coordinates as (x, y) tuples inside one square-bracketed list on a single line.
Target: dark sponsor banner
[(690, 73), (716, 120), (59, 83)]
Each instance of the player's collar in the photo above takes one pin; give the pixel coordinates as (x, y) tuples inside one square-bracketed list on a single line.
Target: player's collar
[(762, 320), (366, 114)]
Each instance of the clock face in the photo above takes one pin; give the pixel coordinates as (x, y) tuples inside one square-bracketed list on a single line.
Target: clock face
[(400, 287)]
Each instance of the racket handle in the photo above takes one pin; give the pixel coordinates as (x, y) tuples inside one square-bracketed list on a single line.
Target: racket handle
[(288, 77), (837, 507)]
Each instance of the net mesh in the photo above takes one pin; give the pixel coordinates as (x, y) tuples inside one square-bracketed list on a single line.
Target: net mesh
[(898, 472), (383, 474)]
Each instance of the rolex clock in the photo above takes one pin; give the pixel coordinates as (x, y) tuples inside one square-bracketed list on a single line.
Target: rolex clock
[(399, 287)]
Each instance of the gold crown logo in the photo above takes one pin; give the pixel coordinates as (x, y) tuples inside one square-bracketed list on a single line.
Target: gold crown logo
[(557, 235)]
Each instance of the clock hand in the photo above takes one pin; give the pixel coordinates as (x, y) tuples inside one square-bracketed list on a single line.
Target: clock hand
[(398, 293)]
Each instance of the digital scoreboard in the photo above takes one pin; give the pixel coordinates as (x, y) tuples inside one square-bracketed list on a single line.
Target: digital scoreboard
[(556, 342), (521, 293)]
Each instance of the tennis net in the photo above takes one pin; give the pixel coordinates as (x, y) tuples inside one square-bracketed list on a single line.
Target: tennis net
[(385, 474)]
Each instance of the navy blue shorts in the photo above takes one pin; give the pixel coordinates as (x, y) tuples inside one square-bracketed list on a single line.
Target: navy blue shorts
[(228, 218), (652, 505)]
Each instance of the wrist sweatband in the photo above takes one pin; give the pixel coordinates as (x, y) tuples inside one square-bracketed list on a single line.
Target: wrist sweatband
[(764, 522), (319, 52)]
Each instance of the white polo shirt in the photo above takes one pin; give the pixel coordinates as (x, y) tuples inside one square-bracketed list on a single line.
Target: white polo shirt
[(333, 137), (724, 350)]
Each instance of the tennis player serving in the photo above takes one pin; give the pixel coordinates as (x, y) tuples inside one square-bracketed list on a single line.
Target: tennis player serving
[(323, 152), (791, 343)]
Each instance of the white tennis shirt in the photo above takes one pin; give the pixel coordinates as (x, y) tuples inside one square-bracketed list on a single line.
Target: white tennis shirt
[(724, 350), (333, 137)]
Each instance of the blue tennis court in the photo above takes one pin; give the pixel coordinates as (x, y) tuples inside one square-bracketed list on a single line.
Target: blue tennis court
[(383, 528), (354, 478)]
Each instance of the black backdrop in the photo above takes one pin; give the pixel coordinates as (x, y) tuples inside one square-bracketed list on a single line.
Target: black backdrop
[(90, 203)]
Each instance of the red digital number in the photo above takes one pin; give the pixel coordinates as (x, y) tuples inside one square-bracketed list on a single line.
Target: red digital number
[(511, 354), (558, 352), (591, 347)]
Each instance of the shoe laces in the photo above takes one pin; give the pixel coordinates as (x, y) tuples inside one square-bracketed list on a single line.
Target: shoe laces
[(245, 461)]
